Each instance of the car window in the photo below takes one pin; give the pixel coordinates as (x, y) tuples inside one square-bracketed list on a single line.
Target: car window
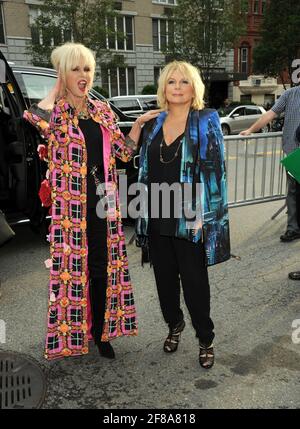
[(35, 87), (127, 104), (225, 111), (148, 104), (240, 111), (252, 111)]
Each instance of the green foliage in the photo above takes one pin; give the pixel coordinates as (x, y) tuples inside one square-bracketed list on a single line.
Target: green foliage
[(101, 91), (204, 30), (149, 90), (82, 21), (280, 41)]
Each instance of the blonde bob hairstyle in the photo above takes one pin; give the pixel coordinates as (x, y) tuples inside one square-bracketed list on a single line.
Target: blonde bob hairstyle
[(190, 73), (66, 57)]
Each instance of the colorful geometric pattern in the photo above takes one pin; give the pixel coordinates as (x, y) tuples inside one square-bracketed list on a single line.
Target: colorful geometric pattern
[(202, 161), (69, 317)]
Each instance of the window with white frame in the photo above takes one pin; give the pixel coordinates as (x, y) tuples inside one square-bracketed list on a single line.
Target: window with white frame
[(172, 2), (2, 32), (157, 71), (118, 81), (244, 59), (121, 38), (57, 37), (162, 34)]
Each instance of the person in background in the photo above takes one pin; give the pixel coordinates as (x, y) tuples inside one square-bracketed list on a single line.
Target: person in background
[(289, 103)]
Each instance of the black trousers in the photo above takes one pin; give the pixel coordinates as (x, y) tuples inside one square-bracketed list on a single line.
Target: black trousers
[(174, 260), (97, 264)]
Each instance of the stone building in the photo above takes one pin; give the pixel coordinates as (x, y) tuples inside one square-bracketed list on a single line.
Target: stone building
[(146, 27)]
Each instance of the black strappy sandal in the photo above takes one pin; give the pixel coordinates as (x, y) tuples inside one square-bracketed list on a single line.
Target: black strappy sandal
[(172, 341), (206, 356)]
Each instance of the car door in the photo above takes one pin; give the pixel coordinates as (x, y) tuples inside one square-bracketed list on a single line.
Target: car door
[(237, 120), (19, 148), (252, 114)]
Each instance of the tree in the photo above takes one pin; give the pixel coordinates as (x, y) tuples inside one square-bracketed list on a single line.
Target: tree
[(204, 31), (89, 22), (280, 41)]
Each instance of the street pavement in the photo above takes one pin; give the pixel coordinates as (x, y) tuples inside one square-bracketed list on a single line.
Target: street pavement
[(253, 307)]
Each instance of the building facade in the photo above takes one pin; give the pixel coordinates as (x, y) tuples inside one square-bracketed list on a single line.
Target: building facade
[(258, 89), (146, 29)]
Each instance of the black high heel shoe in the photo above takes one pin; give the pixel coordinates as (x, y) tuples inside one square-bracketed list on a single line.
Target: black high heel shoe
[(106, 350), (206, 356), (172, 341)]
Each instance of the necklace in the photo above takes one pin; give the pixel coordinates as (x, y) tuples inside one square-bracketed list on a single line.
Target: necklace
[(83, 112), (175, 155)]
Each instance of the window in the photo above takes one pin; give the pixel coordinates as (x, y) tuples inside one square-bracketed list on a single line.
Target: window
[(244, 58), (172, 2), (263, 7), (127, 105), (240, 111), (157, 71), (162, 34), (256, 6), (55, 37), (2, 34), (269, 99), (119, 81), (35, 87), (252, 111), (246, 98), (121, 37)]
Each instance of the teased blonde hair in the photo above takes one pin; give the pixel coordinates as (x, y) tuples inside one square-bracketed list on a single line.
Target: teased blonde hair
[(65, 57), (191, 73)]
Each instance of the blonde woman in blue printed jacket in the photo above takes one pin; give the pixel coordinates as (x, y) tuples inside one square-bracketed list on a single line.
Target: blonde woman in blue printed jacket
[(184, 145)]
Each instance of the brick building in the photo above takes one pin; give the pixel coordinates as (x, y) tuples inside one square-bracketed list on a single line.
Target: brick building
[(256, 88)]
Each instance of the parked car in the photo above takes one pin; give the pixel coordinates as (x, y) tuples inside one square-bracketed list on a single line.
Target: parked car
[(278, 123), (235, 119), (21, 170), (135, 104)]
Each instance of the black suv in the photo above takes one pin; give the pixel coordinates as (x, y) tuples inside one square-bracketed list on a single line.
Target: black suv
[(21, 171)]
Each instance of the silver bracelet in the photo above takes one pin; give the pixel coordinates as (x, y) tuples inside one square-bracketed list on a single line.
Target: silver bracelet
[(131, 143)]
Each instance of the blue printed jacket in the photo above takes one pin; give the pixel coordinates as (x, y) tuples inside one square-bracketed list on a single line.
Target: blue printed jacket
[(202, 161)]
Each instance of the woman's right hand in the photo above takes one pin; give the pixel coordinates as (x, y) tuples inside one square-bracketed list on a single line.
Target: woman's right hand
[(57, 91), (246, 132)]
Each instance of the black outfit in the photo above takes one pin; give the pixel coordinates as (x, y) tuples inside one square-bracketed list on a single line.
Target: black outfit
[(164, 173), (177, 259), (96, 227)]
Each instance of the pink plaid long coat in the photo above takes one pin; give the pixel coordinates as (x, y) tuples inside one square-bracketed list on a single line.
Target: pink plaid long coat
[(69, 316)]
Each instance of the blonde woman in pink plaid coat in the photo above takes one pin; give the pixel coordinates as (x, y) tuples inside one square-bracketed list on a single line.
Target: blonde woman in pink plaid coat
[(90, 291)]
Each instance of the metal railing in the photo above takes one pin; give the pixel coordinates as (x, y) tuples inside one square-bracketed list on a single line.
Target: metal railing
[(254, 171)]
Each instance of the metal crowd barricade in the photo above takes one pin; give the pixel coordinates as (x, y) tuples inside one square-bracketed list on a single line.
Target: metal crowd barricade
[(254, 171)]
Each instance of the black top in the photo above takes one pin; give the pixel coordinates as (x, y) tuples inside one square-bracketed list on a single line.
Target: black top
[(164, 173), (94, 146)]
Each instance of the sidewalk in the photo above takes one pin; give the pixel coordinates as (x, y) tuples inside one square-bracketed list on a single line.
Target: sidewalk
[(253, 307)]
